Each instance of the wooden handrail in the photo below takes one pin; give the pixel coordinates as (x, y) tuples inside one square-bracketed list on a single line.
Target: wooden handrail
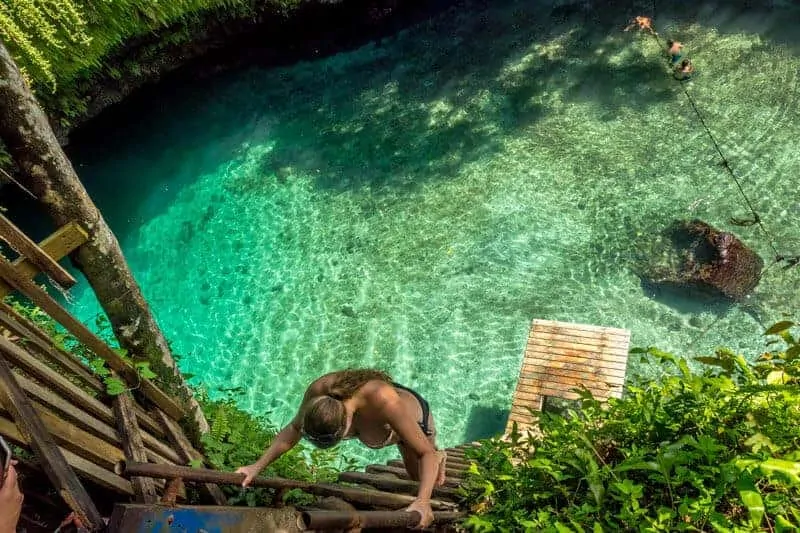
[(354, 495)]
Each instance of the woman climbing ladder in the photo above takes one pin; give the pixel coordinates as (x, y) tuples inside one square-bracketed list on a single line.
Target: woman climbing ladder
[(365, 405)]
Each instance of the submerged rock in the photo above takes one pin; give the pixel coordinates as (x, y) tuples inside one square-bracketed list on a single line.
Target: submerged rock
[(707, 259)]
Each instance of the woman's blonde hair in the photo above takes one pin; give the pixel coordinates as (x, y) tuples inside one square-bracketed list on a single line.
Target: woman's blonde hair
[(326, 416)]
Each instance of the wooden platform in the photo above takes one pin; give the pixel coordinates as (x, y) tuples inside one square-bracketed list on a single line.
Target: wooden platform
[(560, 357)]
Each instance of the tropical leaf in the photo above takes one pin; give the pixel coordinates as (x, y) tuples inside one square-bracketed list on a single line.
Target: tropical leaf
[(779, 327), (751, 498)]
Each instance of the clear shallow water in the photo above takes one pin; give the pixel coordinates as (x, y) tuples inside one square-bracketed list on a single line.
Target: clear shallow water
[(412, 206)]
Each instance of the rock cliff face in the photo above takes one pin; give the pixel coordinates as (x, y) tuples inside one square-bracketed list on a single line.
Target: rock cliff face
[(316, 28), (707, 259)]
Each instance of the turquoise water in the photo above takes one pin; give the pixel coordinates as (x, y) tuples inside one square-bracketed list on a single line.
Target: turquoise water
[(413, 205)]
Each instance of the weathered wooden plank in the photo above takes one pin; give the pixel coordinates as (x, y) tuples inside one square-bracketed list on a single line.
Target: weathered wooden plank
[(560, 357), (531, 372), (450, 481), (84, 468), (150, 425), (535, 384), (144, 488), (574, 369), (585, 338), (524, 418), (189, 454), (543, 357), (522, 411), (561, 393), (546, 325), (534, 380), (580, 349), (39, 297), (38, 257), (99, 475), (52, 460), (449, 470), (39, 340), (559, 390), (78, 441), (583, 343), (545, 385), (394, 485), (54, 380), (65, 239), (614, 343), (156, 452)]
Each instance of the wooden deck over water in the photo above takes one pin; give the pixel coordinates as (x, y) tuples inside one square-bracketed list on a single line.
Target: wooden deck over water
[(560, 357)]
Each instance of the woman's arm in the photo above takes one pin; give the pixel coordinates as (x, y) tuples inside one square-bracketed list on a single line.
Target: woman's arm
[(391, 406), (284, 441)]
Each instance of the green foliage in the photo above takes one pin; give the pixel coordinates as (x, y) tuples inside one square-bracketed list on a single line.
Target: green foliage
[(716, 449), (61, 45)]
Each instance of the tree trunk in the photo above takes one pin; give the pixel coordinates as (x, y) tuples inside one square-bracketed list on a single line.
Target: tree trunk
[(48, 173)]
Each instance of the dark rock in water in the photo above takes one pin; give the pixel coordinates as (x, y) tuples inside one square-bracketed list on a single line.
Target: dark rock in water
[(347, 310), (710, 260)]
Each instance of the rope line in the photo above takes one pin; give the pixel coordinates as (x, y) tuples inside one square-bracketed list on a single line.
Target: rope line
[(18, 184), (778, 257)]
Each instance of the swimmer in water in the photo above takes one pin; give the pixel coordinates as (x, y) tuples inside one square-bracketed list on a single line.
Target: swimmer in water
[(643, 23), (684, 71), (675, 51)]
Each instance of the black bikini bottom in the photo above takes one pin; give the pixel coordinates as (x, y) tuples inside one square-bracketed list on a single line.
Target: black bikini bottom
[(426, 409)]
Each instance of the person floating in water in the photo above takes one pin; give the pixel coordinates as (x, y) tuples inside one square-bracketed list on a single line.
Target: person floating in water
[(675, 51), (643, 24), (365, 405), (684, 71)]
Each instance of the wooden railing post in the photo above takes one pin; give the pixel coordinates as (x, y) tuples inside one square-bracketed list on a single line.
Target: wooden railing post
[(133, 446)]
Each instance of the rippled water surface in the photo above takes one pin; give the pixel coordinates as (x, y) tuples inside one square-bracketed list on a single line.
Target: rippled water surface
[(412, 205)]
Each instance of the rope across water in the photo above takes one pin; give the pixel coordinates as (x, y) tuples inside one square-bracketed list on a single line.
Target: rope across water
[(791, 261)]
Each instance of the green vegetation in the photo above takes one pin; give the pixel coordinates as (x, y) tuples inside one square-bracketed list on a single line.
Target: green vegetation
[(717, 449), (62, 45)]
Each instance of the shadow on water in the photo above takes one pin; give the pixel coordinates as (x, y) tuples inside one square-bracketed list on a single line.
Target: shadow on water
[(455, 103), (685, 300), (484, 422), (424, 104)]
